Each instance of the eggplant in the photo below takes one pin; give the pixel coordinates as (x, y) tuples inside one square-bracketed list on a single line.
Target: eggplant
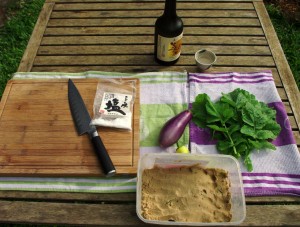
[(174, 128)]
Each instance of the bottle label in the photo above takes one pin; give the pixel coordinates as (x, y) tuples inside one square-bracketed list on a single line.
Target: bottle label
[(168, 49)]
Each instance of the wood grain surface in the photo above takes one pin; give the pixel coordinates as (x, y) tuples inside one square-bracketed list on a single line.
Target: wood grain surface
[(38, 136), (88, 214)]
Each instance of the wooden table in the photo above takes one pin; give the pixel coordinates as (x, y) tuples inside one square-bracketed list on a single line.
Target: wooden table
[(81, 35)]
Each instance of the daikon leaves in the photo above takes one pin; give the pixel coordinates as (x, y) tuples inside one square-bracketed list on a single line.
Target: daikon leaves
[(239, 123)]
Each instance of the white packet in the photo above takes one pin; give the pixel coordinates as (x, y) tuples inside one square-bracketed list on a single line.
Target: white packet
[(113, 103)]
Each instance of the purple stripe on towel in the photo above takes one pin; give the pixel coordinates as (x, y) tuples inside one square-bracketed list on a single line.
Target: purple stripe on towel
[(264, 191), (269, 72), (271, 175), (285, 136), (229, 77), (271, 182), (230, 81)]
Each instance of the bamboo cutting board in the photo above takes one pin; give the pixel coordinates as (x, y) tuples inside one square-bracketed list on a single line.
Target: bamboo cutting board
[(38, 136)]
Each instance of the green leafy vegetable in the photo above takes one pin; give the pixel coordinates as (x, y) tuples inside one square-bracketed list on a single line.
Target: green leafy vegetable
[(238, 122)]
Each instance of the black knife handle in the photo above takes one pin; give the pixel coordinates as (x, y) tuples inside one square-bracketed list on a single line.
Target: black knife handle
[(106, 163)]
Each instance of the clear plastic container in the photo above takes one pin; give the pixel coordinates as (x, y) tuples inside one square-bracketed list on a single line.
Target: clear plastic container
[(225, 162)]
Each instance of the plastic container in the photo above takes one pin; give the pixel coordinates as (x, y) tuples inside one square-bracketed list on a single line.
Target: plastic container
[(225, 162)]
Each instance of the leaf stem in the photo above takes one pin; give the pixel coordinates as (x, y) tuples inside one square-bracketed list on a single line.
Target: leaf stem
[(229, 137)]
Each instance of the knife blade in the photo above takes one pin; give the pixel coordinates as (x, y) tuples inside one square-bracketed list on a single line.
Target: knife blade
[(82, 119)]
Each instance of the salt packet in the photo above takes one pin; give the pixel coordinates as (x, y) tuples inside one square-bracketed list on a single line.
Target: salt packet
[(113, 103)]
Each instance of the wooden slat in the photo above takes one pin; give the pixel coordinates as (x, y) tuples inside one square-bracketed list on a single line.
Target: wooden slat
[(296, 134), (293, 122), (287, 108), (138, 40), (35, 39), (130, 22), (62, 213), (79, 31), (121, 197), (115, 214), (273, 199), (282, 94), (70, 197), (140, 69), (281, 62), (153, 5), (148, 49), (272, 215), (152, 13), (147, 60)]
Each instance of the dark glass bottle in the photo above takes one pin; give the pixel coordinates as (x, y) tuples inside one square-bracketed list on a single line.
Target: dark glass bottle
[(168, 35)]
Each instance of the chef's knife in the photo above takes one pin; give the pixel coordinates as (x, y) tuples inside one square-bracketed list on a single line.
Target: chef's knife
[(82, 121)]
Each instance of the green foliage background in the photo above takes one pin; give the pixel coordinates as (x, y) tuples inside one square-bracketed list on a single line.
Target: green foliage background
[(289, 36), (14, 36)]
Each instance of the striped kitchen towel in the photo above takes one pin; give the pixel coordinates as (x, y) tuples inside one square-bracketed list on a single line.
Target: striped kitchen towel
[(163, 95), (274, 172)]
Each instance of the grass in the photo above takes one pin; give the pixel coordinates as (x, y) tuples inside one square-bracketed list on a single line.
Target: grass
[(14, 36), (16, 32), (289, 36)]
